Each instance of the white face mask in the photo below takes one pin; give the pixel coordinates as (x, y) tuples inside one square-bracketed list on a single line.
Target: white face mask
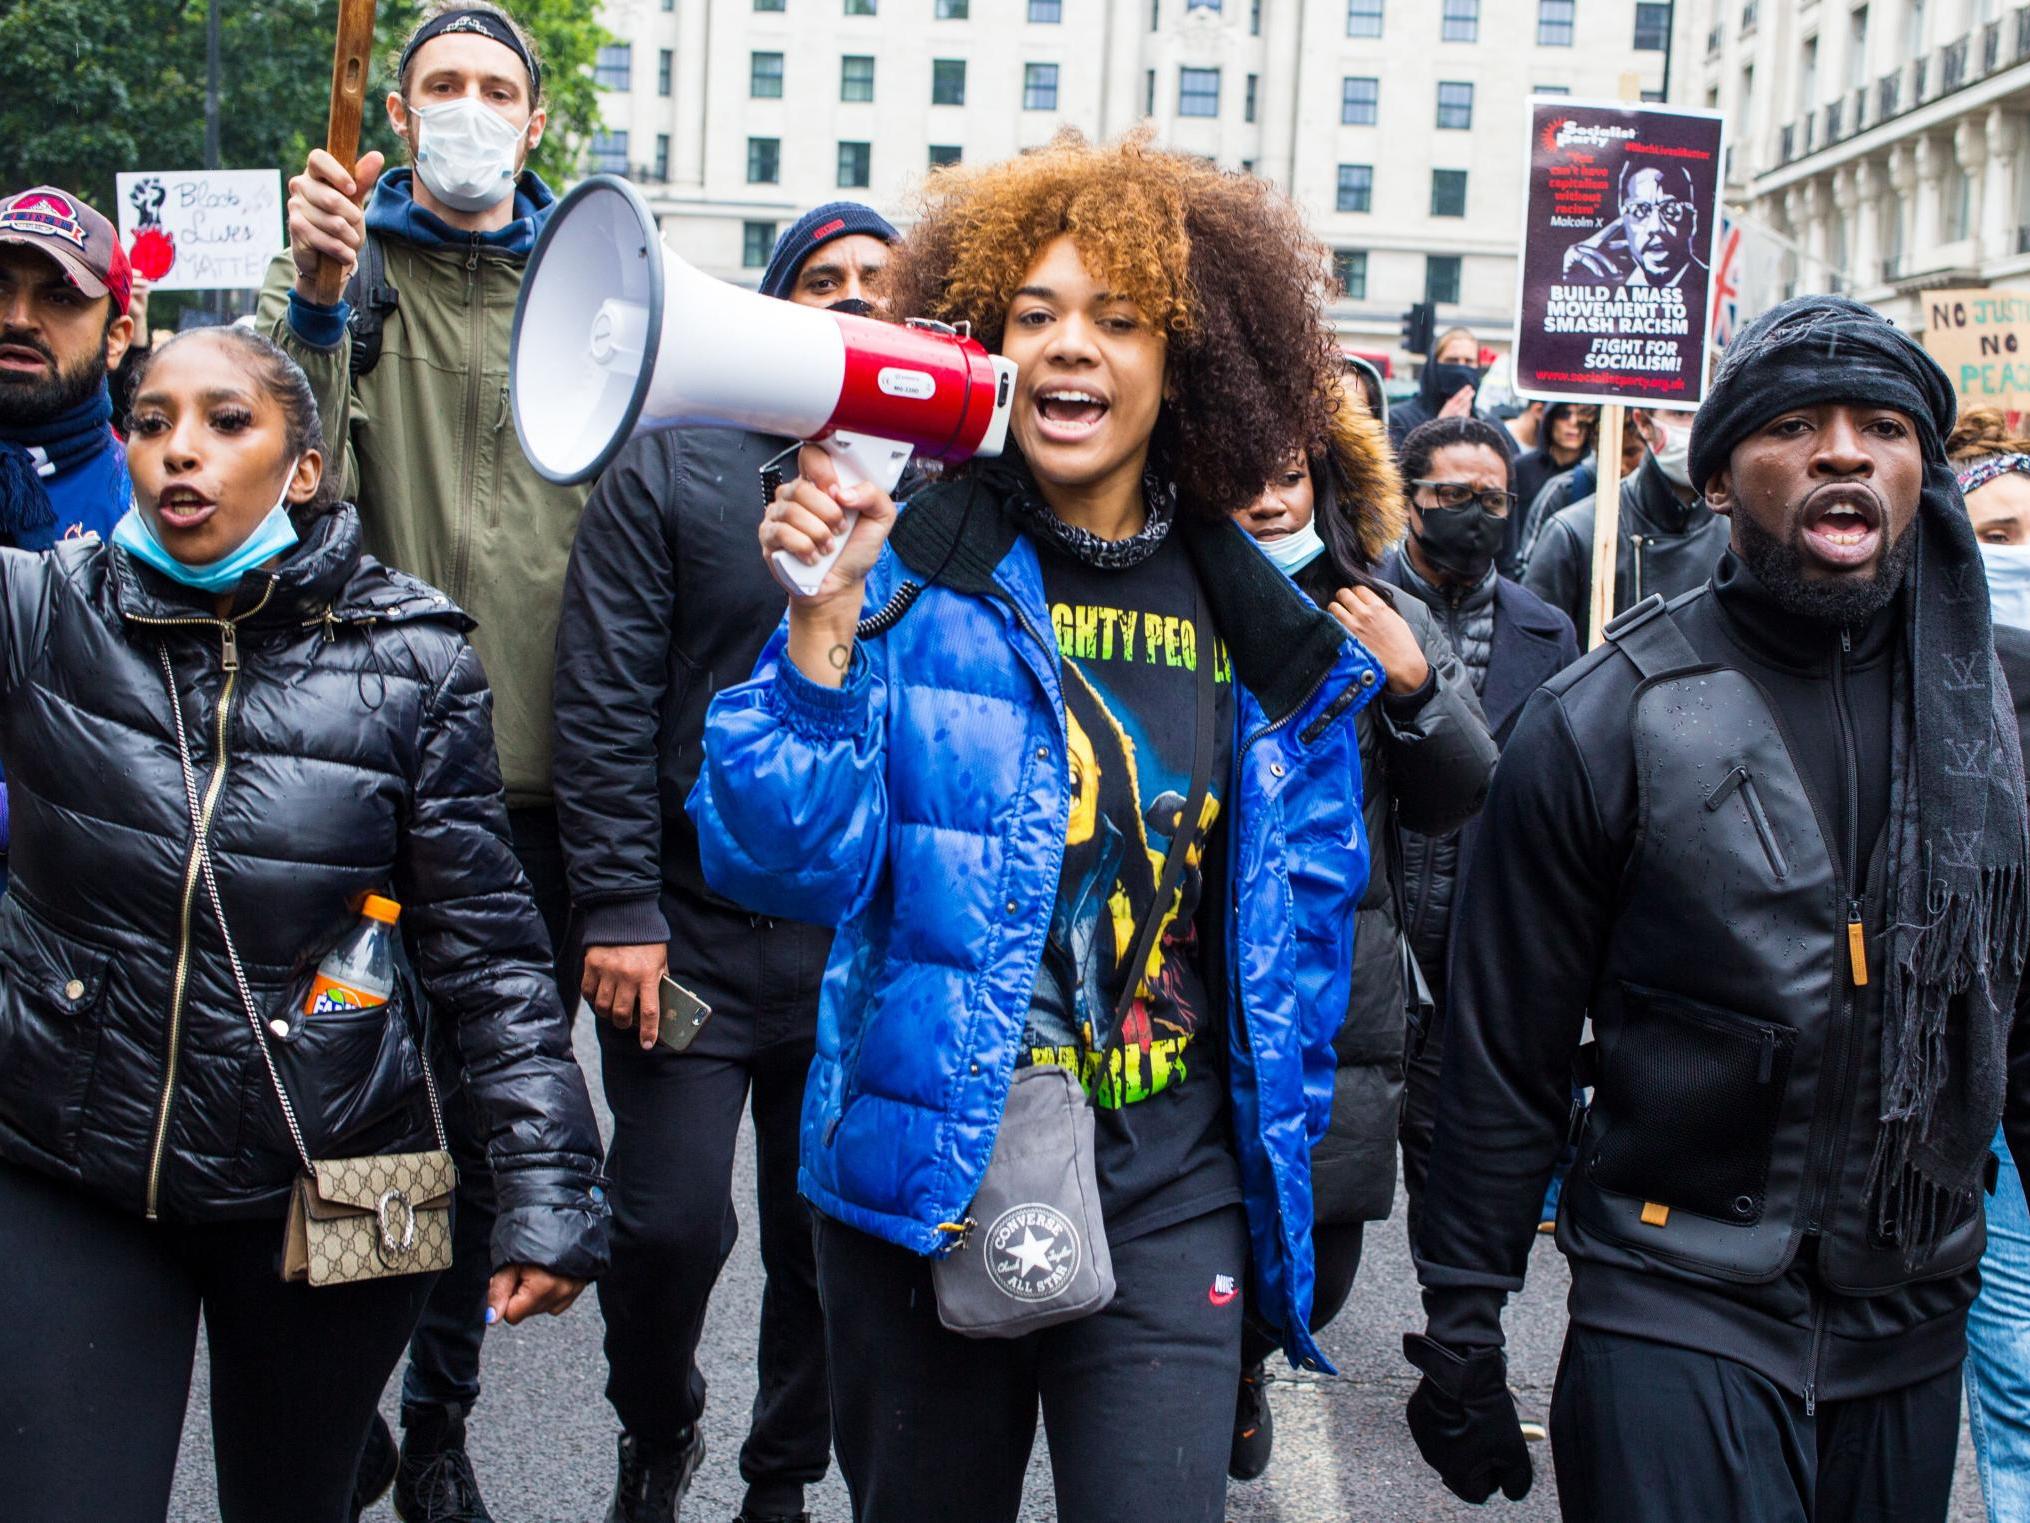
[(1674, 455), (2008, 582), (465, 153), (1295, 550)]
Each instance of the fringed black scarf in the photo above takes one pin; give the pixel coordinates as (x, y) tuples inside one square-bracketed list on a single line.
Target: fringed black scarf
[(1958, 842)]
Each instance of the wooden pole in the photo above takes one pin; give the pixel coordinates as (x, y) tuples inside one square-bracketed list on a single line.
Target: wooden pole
[(1606, 521), (351, 64)]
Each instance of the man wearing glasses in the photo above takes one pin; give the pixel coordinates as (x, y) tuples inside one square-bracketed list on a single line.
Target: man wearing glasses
[(1654, 240)]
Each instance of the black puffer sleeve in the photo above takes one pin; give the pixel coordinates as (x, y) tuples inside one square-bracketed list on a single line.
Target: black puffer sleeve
[(485, 963), (1440, 756)]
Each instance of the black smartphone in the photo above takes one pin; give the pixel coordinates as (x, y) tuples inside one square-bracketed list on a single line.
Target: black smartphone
[(683, 1016)]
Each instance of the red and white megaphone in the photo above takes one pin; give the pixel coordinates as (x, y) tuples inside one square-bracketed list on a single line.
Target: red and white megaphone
[(614, 335)]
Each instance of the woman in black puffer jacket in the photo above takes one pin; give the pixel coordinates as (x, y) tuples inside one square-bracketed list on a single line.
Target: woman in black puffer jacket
[(336, 724), (1426, 763)]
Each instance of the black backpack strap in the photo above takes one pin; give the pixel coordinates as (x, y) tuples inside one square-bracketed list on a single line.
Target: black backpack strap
[(1650, 638), (372, 296)]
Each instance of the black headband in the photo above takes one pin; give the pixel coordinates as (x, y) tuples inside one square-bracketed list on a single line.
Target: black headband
[(485, 24)]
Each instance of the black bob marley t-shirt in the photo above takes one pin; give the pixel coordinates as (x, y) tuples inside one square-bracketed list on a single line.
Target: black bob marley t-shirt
[(1130, 665)]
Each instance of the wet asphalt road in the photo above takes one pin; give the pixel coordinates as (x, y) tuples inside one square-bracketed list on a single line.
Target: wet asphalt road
[(542, 1436)]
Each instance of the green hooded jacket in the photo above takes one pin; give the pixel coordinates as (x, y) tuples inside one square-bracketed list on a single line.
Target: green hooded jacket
[(425, 445)]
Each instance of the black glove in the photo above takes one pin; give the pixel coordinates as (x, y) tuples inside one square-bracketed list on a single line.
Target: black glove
[(1464, 1421)]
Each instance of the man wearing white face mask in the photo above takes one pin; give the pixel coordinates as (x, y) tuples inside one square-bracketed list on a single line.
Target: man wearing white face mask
[(411, 376), (1670, 540)]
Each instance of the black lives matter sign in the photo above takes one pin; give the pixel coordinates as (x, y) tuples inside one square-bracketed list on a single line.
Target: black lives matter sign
[(1616, 273)]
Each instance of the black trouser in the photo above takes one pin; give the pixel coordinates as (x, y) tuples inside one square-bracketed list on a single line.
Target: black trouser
[(96, 1344), (1642, 1432), (936, 1428), (676, 1121), (1335, 1253), (1419, 1121), (444, 1354)]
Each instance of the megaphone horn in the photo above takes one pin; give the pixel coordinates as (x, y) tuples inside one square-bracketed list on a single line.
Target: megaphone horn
[(615, 335)]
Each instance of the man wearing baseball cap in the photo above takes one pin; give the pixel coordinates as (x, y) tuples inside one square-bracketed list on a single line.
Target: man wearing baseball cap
[(64, 287), (666, 603)]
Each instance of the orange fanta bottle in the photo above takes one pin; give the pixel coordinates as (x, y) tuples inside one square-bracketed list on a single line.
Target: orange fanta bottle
[(359, 972)]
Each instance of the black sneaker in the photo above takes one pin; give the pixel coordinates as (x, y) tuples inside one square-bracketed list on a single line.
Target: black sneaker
[(651, 1485), (771, 1517), (376, 1471), (435, 1483), (1254, 1427)]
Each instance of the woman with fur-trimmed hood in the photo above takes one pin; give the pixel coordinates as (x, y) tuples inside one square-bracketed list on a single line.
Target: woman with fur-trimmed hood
[(1329, 519)]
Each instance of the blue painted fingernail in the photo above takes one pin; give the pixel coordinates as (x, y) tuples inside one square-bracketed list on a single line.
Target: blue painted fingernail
[(491, 1316)]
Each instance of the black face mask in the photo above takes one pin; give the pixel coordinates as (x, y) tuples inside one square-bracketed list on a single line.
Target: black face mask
[(1442, 381), (852, 306), (1460, 541)]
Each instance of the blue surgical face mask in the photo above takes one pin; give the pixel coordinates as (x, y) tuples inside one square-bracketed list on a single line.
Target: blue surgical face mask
[(135, 534), (1296, 550), (2008, 582)]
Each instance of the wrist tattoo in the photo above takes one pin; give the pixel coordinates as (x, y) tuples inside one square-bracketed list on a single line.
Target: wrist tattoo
[(839, 656)]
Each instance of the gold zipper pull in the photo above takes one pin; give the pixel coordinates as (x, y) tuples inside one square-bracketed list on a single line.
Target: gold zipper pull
[(1857, 944), (230, 640)]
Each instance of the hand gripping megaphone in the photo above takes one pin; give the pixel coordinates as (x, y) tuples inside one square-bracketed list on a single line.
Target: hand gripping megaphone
[(615, 335)]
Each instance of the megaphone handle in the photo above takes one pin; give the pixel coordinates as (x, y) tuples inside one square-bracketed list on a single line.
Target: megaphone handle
[(857, 458)]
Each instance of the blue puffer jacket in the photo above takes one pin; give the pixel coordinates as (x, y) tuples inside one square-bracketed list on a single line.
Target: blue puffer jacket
[(921, 808)]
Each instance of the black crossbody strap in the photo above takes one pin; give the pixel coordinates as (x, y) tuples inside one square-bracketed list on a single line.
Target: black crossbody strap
[(1186, 836)]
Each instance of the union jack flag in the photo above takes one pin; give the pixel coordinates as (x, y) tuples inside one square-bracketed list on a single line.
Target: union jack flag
[(1727, 283)]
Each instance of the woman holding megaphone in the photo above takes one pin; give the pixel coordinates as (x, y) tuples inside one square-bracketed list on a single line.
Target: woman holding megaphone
[(240, 751), (1082, 797)]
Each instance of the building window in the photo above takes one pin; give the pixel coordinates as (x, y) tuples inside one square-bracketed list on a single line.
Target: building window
[(1200, 5), (1448, 192), (1349, 268), (1356, 188), (614, 69), (947, 81), (1198, 92), (764, 76), (1455, 104), (764, 160), (666, 62), (1652, 27), (1462, 21), (1363, 18), (1248, 111), (1441, 278), (953, 10), (860, 7), (1359, 101), (769, 5), (1255, 18), (663, 157), (1551, 90), (608, 153), (1149, 93), (1155, 14), (1039, 87), (757, 242), (1046, 12), (669, 5), (942, 154), (1556, 22), (856, 77), (856, 163)]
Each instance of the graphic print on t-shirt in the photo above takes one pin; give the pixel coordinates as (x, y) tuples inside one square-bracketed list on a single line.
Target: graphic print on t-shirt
[(1130, 688)]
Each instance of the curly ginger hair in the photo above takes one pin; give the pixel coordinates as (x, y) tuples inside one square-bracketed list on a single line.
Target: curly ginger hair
[(1220, 263)]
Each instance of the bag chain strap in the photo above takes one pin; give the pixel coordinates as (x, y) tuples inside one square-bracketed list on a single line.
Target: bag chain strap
[(232, 952)]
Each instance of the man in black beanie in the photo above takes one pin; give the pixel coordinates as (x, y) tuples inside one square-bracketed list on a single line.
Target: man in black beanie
[(1773, 837), (665, 603)]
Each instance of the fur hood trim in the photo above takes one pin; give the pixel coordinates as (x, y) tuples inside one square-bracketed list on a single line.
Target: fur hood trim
[(1366, 487)]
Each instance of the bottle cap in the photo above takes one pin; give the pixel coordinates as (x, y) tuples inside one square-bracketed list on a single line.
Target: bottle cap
[(384, 910)]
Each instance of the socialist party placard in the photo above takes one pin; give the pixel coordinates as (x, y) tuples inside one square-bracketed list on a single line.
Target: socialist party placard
[(1616, 273)]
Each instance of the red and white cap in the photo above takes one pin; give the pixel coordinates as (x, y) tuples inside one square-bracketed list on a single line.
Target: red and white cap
[(83, 243)]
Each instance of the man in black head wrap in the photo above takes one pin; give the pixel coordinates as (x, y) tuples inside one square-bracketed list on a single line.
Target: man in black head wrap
[(1773, 837)]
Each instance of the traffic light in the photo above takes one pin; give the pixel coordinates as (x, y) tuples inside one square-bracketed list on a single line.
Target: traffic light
[(1418, 326)]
